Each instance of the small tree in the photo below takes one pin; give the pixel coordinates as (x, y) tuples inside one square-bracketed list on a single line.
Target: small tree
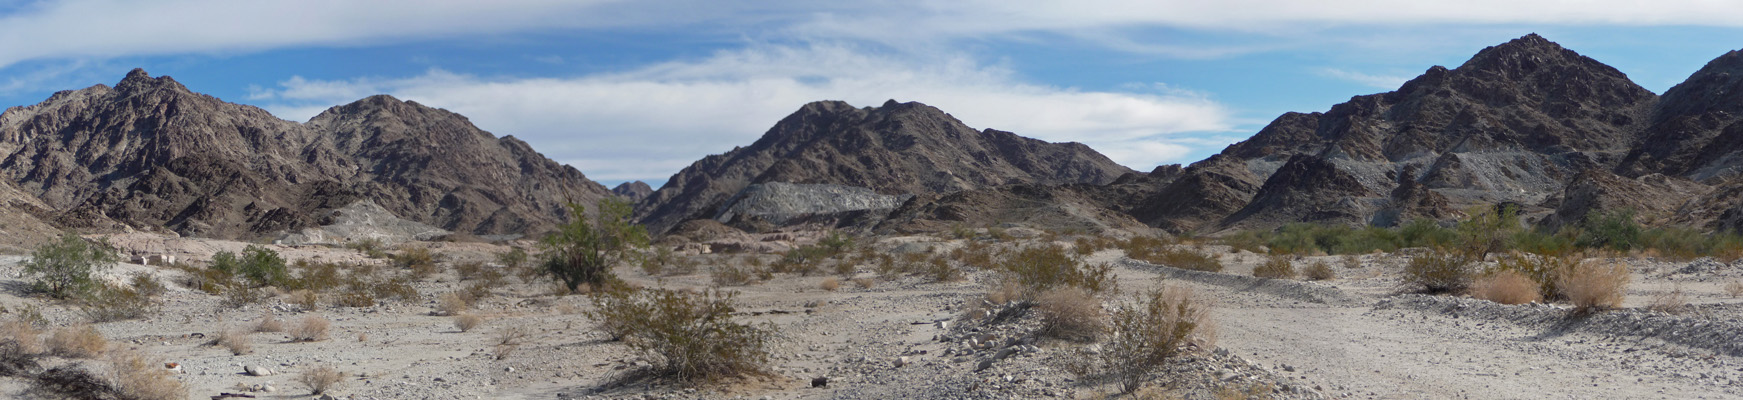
[(583, 252), (1486, 230), (63, 268), (259, 265)]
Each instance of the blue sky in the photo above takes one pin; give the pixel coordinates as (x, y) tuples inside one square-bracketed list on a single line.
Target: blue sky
[(635, 90)]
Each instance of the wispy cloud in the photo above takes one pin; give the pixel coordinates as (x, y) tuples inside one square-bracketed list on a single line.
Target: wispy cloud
[(1386, 82), (648, 122)]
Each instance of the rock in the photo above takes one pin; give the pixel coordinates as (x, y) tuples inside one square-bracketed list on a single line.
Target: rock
[(820, 382), (900, 361), (1004, 353), (984, 364), (253, 370)]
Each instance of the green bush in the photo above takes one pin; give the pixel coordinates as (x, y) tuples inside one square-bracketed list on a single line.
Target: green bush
[(1615, 230), (1039, 268), (689, 336), (1438, 271), (64, 268), (583, 251), (107, 304), (1425, 233), (259, 266)]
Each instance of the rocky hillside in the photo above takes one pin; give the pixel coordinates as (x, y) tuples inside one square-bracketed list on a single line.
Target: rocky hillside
[(633, 191), (895, 149), (150, 154)]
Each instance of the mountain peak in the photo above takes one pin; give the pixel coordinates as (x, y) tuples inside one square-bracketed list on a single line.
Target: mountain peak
[(138, 81)]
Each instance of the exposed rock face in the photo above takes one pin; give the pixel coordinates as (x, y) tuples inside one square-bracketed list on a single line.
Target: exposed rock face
[(1071, 207), (1653, 198), (1205, 192), (149, 154), (1306, 189), (778, 203), (895, 149), (1695, 130), (633, 191)]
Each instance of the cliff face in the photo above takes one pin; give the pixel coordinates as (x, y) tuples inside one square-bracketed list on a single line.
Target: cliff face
[(895, 149), (149, 154)]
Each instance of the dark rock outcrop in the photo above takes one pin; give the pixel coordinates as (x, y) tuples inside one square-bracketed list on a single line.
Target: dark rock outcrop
[(633, 191), (895, 149)]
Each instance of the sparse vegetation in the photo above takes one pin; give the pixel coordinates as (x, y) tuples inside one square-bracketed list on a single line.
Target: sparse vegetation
[(732, 274), (321, 380), (1071, 313), (1438, 271), (1319, 271), (452, 303), (1506, 287), (583, 252), (1734, 289), (1149, 332), (830, 284), (1674, 301), (1594, 286), (257, 266), (269, 324), (1275, 267), (1040, 268), (310, 329), (305, 299), (465, 321), (63, 268), (106, 303), (690, 336), (26, 338), (237, 341), (138, 377), (81, 341), (865, 283)]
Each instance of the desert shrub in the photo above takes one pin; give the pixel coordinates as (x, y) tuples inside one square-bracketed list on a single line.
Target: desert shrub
[(310, 329), (370, 247), (835, 243), (583, 251), (419, 260), (315, 276), (1351, 261), (1275, 267), (269, 324), (939, 269), (63, 268), (1539, 268), (1486, 230), (26, 338), (1438, 271), (355, 299), (396, 289), (140, 378), (867, 283), (1425, 233), (1734, 289), (1039, 268), (147, 284), (690, 336), (321, 379), (452, 303), (1319, 271), (77, 342), (1592, 286), (732, 274), (654, 262), (1613, 229), (238, 342), (1674, 301), (107, 304), (510, 335), (1155, 252), (830, 284), (1538, 241), (305, 299), (466, 321), (1151, 331), (1506, 287), (1071, 313), (258, 266)]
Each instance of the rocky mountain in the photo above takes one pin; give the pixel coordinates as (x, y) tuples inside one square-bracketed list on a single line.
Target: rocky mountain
[(633, 191), (150, 154), (895, 149)]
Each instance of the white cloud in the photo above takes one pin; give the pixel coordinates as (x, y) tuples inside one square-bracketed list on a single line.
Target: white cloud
[(649, 122), (1386, 82)]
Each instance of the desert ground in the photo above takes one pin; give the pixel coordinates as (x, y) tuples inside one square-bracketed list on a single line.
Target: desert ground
[(883, 335)]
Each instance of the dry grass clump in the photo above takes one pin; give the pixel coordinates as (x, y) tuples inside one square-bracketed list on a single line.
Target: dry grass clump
[(690, 336), (1319, 271), (466, 321), (733, 274), (1008, 290), (306, 299), (1506, 287), (1591, 286), (1674, 301), (452, 303), (236, 341), (865, 283), (26, 337), (321, 379), (77, 342), (1276, 267), (1161, 252), (1735, 289), (830, 284), (1539, 268), (1071, 313), (310, 329), (268, 323), (141, 378)]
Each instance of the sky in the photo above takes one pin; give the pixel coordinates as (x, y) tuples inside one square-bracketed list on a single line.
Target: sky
[(636, 90)]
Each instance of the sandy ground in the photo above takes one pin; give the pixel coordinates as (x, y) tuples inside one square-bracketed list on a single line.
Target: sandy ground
[(1351, 337)]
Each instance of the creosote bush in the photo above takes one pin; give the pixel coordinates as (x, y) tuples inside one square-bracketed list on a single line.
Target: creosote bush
[(1506, 287), (690, 336), (1151, 331), (1039, 268), (1275, 267), (1594, 286), (1071, 313), (1438, 272)]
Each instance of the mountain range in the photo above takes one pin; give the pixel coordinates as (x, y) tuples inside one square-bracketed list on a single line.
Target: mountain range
[(1526, 122)]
